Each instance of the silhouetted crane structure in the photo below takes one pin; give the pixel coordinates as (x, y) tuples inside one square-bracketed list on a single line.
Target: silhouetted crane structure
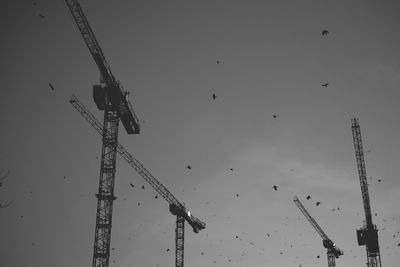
[(113, 99), (332, 251), (368, 234), (176, 208)]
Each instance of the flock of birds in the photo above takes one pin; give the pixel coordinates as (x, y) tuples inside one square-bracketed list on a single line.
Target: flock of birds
[(189, 167)]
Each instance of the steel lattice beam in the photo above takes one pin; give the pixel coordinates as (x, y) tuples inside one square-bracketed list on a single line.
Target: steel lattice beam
[(368, 234), (179, 240), (105, 195)]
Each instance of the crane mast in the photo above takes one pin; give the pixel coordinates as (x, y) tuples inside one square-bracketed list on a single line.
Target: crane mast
[(368, 234), (332, 251), (175, 206), (113, 99)]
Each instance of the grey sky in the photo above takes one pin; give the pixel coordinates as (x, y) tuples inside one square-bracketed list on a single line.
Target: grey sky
[(273, 60)]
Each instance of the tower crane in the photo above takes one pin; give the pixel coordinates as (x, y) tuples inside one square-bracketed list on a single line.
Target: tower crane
[(332, 251), (368, 234), (111, 97), (175, 207)]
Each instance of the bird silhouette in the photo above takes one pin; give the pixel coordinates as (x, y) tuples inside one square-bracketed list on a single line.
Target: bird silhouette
[(42, 16), (237, 195), (275, 187), (325, 84), (189, 167), (318, 203), (214, 96), (325, 32), (274, 116), (51, 87), (231, 169), (308, 197), (143, 187), (132, 185), (218, 61)]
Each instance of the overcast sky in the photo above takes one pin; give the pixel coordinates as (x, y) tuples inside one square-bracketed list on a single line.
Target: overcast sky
[(273, 61)]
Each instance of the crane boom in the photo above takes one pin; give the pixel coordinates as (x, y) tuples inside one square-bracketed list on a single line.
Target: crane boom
[(176, 207), (362, 173), (332, 251), (309, 218), (368, 234), (113, 89)]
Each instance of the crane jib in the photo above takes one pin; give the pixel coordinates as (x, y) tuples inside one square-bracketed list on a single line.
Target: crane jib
[(115, 92)]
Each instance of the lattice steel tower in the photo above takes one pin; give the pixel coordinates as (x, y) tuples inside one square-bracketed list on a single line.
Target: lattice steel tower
[(176, 207), (368, 234), (113, 99)]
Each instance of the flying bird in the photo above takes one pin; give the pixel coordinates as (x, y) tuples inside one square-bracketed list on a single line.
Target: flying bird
[(214, 96), (237, 195), (275, 187), (155, 196), (379, 180), (318, 203), (308, 197), (274, 116), (142, 186), (189, 167), (325, 32), (231, 169), (42, 16), (132, 185), (51, 87), (325, 84), (167, 249), (218, 61)]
